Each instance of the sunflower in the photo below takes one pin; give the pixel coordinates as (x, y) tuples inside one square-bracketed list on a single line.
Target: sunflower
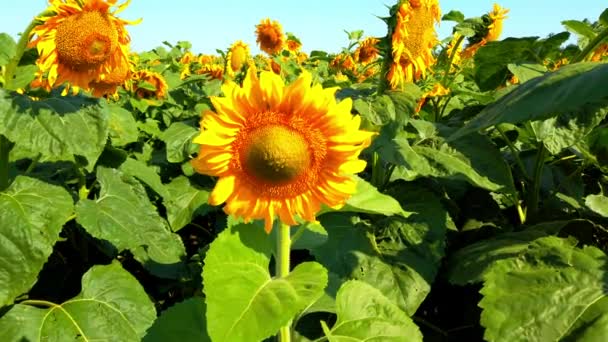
[(343, 61), (494, 29), (437, 90), (497, 15), (187, 58), (412, 40), (450, 49), (270, 36), (367, 50), (280, 150), (110, 83), (81, 42), (215, 71), (237, 57), (293, 45), (600, 52), (144, 80)]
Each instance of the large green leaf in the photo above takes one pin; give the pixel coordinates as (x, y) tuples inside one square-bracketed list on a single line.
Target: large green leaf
[(565, 130), (402, 260), (244, 303), (184, 322), (367, 199), (55, 128), (184, 201), (145, 173), (566, 90), (32, 213), (592, 325), (122, 125), (7, 48), (491, 60), (582, 29), (597, 203), (553, 280), (124, 216), (473, 158), (112, 306), (365, 314), (470, 264), (178, 139)]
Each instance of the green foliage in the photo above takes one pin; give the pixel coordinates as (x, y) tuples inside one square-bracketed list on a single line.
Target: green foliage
[(7, 48), (111, 306), (56, 129), (568, 89), (553, 279), (183, 322), (123, 215), (244, 302), (364, 314), (32, 213)]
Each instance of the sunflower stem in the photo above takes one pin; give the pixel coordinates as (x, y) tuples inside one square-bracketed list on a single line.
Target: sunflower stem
[(11, 67), (591, 46), (5, 148), (282, 268)]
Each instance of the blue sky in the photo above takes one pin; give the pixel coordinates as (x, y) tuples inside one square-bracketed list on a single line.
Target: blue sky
[(319, 24)]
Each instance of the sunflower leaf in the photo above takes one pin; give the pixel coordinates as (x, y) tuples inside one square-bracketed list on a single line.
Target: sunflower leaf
[(364, 314), (56, 129), (123, 127), (568, 89), (184, 201), (552, 279), (244, 303), (403, 264), (124, 216), (32, 213), (178, 139), (8, 47), (112, 306), (184, 322)]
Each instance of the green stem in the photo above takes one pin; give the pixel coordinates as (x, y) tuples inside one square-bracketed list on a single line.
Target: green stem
[(282, 268), (377, 171), (5, 148), (11, 67), (451, 59), (533, 196), (35, 302), (514, 152), (591, 46)]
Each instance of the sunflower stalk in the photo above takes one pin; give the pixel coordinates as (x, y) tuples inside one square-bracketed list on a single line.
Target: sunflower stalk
[(282, 268), (11, 67), (5, 148), (591, 46)]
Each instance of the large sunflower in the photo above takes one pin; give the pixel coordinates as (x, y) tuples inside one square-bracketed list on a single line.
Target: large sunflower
[(280, 150), (82, 42), (270, 36), (412, 40)]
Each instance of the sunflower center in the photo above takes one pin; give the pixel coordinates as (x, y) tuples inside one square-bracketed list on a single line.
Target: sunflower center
[(276, 154), (85, 40)]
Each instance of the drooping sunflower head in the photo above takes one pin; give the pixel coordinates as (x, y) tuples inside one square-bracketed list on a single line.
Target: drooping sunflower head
[(437, 90), (110, 83), (149, 84), (412, 40), (367, 50), (280, 150), (270, 37), (187, 58), (497, 15), (293, 44), (214, 71), (81, 42), (237, 56)]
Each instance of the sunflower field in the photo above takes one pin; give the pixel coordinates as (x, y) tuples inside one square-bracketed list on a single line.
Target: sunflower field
[(408, 187)]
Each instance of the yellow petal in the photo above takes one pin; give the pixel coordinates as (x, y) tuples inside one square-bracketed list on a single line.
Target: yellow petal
[(223, 189)]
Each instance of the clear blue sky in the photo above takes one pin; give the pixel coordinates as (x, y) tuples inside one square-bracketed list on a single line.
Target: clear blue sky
[(320, 24)]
